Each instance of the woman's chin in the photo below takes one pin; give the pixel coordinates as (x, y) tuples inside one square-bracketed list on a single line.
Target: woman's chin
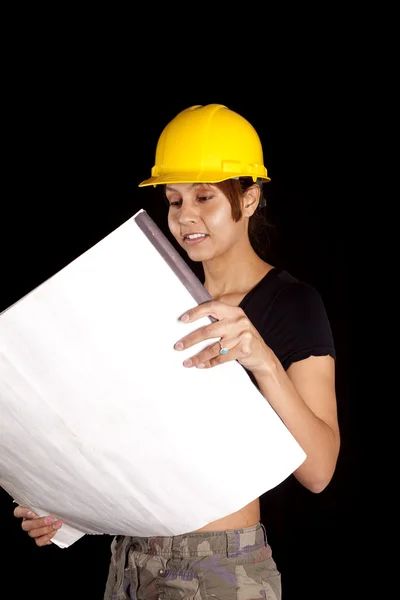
[(198, 254)]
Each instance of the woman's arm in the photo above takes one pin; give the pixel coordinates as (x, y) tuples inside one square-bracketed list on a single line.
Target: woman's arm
[(304, 398)]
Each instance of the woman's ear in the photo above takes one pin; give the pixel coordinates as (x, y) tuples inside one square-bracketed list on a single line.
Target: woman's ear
[(251, 199)]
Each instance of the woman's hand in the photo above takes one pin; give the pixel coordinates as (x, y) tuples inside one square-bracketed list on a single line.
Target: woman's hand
[(41, 529), (237, 335)]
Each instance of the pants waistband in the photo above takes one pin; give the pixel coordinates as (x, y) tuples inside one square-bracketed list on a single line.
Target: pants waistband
[(205, 543)]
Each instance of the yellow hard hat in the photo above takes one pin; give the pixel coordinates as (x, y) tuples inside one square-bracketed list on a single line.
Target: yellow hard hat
[(207, 144)]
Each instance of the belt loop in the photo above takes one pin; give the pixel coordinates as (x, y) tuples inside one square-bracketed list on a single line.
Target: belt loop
[(231, 549), (176, 543), (265, 534)]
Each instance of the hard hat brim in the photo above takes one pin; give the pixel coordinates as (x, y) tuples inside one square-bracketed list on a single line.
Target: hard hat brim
[(197, 178)]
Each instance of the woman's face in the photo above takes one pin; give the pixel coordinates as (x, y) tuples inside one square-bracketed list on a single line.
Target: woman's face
[(200, 219)]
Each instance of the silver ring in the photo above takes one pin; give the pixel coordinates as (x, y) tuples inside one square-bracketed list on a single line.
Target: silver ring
[(223, 350)]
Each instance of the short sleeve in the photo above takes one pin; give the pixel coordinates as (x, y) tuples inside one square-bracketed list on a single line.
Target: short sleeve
[(298, 325)]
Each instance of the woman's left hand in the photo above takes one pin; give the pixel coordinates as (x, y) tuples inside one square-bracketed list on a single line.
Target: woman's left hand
[(237, 335)]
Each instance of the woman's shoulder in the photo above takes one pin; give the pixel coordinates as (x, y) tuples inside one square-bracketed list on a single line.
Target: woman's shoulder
[(291, 316), (296, 296), (278, 286)]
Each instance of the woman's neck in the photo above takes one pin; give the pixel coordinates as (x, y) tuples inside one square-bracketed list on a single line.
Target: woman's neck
[(235, 275)]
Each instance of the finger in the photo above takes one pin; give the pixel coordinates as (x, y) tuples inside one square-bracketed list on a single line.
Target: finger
[(45, 540), (213, 330), (23, 512), (212, 356), (220, 359), (43, 533), (217, 310), (41, 526)]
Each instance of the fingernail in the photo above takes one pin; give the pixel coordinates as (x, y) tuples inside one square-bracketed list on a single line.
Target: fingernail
[(178, 346), (201, 366), (49, 520), (185, 318), (57, 525), (31, 514), (187, 363)]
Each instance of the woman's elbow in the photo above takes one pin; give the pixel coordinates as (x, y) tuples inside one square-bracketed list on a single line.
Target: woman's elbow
[(319, 486), (321, 477)]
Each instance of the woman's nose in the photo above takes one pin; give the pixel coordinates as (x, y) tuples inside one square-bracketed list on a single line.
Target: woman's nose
[(188, 214)]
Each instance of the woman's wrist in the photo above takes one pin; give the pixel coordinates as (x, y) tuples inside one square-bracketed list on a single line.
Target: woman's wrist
[(269, 369)]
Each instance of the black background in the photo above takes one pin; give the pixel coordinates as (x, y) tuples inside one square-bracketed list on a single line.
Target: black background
[(78, 148)]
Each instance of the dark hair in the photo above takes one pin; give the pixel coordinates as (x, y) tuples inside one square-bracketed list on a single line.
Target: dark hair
[(234, 190)]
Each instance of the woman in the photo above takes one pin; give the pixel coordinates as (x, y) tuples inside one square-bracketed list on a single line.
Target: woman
[(209, 161)]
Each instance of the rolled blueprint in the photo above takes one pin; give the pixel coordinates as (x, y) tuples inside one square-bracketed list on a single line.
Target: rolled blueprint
[(101, 425)]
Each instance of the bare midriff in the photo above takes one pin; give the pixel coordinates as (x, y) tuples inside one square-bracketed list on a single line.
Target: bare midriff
[(247, 516)]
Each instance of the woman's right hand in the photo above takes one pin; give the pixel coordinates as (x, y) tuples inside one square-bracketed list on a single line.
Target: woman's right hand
[(41, 529)]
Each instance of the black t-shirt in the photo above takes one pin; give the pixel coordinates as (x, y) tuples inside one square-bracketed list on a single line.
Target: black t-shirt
[(290, 316)]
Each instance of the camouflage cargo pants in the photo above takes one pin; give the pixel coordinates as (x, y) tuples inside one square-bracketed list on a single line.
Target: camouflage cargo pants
[(223, 565)]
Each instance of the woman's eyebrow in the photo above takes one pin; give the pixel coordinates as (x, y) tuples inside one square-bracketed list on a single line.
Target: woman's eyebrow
[(171, 189)]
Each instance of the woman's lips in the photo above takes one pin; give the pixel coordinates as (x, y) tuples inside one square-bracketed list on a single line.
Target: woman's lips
[(195, 240)]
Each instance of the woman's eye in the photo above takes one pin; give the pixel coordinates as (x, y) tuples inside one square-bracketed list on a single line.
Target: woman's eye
[(175, 203), (204, 198)]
